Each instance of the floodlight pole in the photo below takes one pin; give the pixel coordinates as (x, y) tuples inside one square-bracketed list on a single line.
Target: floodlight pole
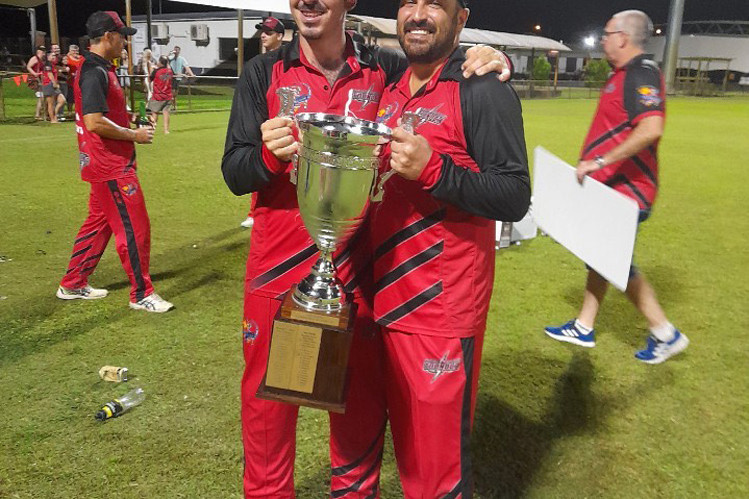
[(32, 21), (671, 52), (53, 32), (130, 55), (240, 41), (148, 24)]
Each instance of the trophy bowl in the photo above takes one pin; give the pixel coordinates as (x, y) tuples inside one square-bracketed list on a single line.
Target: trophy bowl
[(337, 172)]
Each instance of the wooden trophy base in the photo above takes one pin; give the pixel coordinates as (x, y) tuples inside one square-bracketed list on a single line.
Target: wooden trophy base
[(308, 358)]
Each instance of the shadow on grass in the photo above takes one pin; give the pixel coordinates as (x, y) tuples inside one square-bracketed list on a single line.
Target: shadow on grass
[(509, 448), (42, 324)]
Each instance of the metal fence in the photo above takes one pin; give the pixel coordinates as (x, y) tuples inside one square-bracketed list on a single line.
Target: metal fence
[(214, 93), (202, 93)]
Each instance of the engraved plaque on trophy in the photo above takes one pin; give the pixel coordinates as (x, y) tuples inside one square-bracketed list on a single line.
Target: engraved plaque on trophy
[(336, 173)]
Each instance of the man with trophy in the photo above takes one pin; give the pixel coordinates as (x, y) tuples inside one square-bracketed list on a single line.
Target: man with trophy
[(297, 330), (461, 163)]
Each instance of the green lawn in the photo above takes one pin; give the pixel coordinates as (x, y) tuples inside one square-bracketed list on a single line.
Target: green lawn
[(552, 421)]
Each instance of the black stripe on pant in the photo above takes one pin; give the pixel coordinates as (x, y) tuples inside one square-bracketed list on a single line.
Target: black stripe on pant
[(131, 242), (464, 488)]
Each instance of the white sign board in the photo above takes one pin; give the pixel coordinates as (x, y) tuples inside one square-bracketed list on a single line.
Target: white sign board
[(593, 221)]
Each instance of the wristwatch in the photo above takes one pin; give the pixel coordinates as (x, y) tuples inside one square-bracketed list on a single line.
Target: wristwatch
[(599, 161)]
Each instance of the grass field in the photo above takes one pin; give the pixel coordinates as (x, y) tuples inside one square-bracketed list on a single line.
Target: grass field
[(552, 421)]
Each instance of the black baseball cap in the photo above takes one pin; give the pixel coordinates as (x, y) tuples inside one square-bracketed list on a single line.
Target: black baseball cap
[(104, 21), (271, 24), (463, 3)]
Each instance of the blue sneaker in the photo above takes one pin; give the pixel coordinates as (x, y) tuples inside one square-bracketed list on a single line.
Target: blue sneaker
[(659, 351), (571, 334)]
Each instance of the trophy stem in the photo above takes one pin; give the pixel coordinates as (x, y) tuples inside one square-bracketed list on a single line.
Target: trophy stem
[(320, 290)]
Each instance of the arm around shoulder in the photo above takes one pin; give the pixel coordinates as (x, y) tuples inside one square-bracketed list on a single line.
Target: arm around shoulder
[(493, 129)]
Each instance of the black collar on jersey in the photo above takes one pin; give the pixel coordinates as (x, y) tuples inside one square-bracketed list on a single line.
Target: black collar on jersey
[(452, 70), (635, 60), (98, 60), (364, 55)]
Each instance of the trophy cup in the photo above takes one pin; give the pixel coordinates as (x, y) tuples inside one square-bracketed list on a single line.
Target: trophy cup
[(336, 173)]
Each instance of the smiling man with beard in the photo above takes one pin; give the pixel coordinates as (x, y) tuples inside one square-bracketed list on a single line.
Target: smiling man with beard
[(461, 166), (331, 74)]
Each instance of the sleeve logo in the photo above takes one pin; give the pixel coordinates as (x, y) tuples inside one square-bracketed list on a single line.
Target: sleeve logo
[(649, 96)]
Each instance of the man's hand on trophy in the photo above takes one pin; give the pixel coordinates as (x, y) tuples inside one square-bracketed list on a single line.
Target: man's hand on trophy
[(482, 59), (409, 153), (278, 137)]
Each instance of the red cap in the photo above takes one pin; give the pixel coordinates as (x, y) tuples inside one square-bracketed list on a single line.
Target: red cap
[(271, 24)]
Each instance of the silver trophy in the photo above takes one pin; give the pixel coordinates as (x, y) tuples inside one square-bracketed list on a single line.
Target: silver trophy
[(336, 175)]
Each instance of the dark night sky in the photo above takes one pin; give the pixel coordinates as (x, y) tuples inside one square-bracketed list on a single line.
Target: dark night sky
[(568, 20)]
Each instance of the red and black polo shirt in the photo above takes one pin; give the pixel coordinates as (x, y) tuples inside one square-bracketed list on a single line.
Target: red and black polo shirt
[(282, 251), (162, 84), (633, 92), (97, 90), (434, 237)]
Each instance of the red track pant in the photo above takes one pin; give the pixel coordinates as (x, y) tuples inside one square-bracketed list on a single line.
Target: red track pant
[(269, 428), (431, 396), (114, 207)]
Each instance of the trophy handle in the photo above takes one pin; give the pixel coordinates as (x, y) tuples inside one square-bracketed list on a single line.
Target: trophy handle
[(409, 122), (294, 169), (380, 192)]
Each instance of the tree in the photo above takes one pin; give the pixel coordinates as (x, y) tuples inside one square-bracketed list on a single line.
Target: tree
[(541, 69), (596, 72)]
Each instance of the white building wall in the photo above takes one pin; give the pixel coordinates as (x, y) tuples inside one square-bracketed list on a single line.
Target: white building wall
[(197, 56), (732, 47)]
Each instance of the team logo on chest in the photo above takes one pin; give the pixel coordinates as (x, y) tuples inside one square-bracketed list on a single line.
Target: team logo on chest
[(432, 116), (303, 93), (384, 115), (250, 331), (366, 97), (438, 367), (610, 88)]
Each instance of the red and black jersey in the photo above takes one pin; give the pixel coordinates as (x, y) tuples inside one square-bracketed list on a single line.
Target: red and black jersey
[(434, 237), (282, 251), (633, 92), (47, 69), (97, 90), (162, 84), (74, 64)]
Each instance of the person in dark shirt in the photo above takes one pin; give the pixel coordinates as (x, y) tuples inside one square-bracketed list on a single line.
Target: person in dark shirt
[(621, 150)]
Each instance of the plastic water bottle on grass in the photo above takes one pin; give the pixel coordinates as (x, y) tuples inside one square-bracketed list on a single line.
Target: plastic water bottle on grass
[(120, 405)]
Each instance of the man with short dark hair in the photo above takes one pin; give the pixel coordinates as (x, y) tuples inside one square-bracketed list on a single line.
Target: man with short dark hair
[(107, 160), (461, 164), (271, 36), (271, 33), (180, 68), (621, 150)]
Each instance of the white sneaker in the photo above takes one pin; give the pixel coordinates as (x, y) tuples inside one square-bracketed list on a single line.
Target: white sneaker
[(84, 293), (248, 223), (152, 303)]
